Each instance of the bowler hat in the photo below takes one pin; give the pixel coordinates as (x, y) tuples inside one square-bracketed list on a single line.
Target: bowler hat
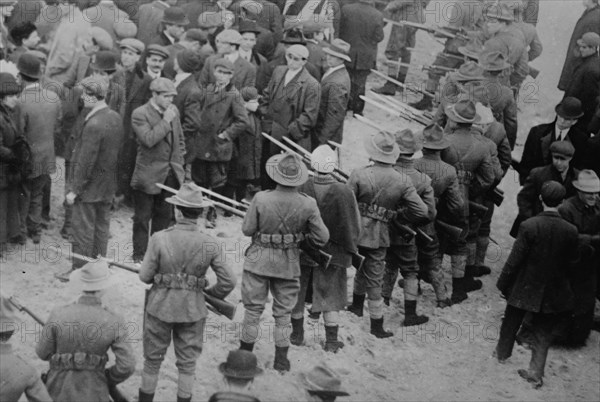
[(293, 36), (248, 26), (469, 71), (590, 39), (408, 142), (323, 380), (462, 111), (29, 65), (472, 49), (105, 60), (163, 85), (323, 159), (339, 48), (8, 85), (382, 147), (92, 277), (587, 181), (434, 138), (158, 50), (500, 11), (562, 149), (175, 16), (569, 108), (132, 44), (493, 61), (8, 313), (287, 169), (102, 38), (230, 36), (189, 196), (240, 364), (552, 193)]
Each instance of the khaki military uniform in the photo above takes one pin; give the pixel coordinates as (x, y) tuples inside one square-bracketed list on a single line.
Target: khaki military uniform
[(19, 377)]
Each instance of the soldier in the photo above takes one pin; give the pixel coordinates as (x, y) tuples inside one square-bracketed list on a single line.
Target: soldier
[(340, 213), (475, 171), (403, 254), (449, 201), (77, 361), (536, 278), (238, 374), (18, 376), (161, 148), (278, 221), (176, 264), (383, 195)]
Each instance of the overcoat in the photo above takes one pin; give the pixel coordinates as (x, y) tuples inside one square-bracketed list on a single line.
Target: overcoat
[(335, 93), (189, 103), (244, 73), (361, 26), (585, 86), (148, 20)]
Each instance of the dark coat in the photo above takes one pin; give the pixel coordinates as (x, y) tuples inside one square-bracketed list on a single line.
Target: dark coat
[(137, 93), (269, 18), (511, 43), (264, 75), (148, 20), (335, 92), (249, 149), (361, 25), (244, 73), (588, 22), (159, 39), (95, 157), (188, 102), (536, 152), (316, 56), (497, 134), (222, 111), (536, 274), (7, 139), (585, 86)]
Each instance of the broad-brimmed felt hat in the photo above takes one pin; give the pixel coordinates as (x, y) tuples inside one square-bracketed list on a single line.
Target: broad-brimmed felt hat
[(158, 50), (562, 149), (552, 192), (323, 380), (462, 111), (472, 49), (240, 364), (590, 39), (135, 45), (163, 85), (500, 11), (339, 48), (92, 277), (493, 61), (189, 196), (323, 159), (29, 65), (9, 321), (105, 60), (408, 142), (8, 85), (434, 138), (382, 147), (175, 16), (570, 108), (469, 71), (293, 36), (587, 181), (287, 169)]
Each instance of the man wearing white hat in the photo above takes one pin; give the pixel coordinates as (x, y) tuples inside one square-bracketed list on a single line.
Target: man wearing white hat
[(340, 213), (278, 221), (76, 339), (176, 264)]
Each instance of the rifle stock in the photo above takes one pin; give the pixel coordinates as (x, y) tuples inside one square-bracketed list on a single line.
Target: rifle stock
[(477, 208), (497, 196), (357, 261), (404, 231), (454, 232)]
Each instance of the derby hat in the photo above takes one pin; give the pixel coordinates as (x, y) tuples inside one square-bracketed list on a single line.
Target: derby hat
[(590, 39), (135, 45), (463, 111), (562, 149), (29, 65), (240, 364), (469, 71), (248, 26), (104, 60), (189, 196), (500, 11), (486, 116), (287, 169), (323, 380), (382, 147), (493, 61), (92, 277), (587, 181), (323, 159), (408, 142), (158, 50), (339, 48), (434, 138), (8, 85), (9, 321), (569, 108), (163, 85), (293, 36), (472, 49), (175, 16)]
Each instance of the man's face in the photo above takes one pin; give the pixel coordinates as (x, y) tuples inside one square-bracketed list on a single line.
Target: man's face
[(565, 124), (333, 61), (248, 41), (251, 105), (222, 76), (163, 100), (155, 63), (586, 51), (589, 199), (294, 62), (129, 58), (175, 30), (11, 101), (561, 163), (32, 40), (224, 47), (493, 25)]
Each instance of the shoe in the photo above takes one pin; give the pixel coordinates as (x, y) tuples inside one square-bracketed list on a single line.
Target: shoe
[(467, 284), (314, 315), (281, 364), (332, 344), (475, 271), (411, 318), (377, 328), (447, 302), (386, 301), (18, 239), (424, 104), (358, 302), (246, 346), (536, 382), (297, 335), (386, 89), (35, 237), (144, 397), (64, 277), (458, 296)]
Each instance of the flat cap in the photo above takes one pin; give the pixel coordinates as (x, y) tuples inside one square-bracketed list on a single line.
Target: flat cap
[(249, 93), (589, 39), (195, 34), (163, 85), (95, 85), (225, 64), (102, 38), (562, 148), (158, 50), (230, 36), (132, 44), (553, 193), (298, 50)]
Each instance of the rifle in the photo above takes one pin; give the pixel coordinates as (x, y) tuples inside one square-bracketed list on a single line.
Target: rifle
[(385, 108), (404, 231), (405, 111), (454, 232), (477, 208), (424, 235), (429, 28), (533, 72), (220, 307), (422, 66), (217, 203), (401, 85), (113, 391), (307, 155), (369, 122), (497, 196)]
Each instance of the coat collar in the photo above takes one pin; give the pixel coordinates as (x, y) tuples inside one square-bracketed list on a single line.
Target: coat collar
[(553, 214)]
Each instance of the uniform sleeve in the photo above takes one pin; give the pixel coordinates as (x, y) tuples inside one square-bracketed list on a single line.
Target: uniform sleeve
[(484, 175), (225, 277), (250, 224), (46, 347), (428, 198), (413, 208), (520, 70), (453, 197), (146, 134), (510, 122), (504, 155), (124, 365), (535, 47), (498, 172), (317, 234), (151, 260)]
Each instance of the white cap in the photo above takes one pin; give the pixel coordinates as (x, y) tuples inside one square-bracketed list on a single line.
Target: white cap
[(323, 159), (485, 113)]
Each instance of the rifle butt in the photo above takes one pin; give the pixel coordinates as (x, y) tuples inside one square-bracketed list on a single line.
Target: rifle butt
[(221, 306)]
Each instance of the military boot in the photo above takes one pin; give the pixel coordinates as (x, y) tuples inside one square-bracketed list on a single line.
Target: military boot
[(297, 335), (358, 302), (332, 344), (424, 104), (281, 363), (410, 314), (144, 397), (377, 328)]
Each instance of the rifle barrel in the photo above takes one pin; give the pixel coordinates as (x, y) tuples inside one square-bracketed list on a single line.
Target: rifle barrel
[(394, 81), (21, 307), (217, 204)]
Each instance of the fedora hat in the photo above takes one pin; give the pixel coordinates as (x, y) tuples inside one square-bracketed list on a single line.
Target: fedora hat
[(240, 364), (469, 71), (500, 11), (287, 169), (8, 84), (105, 60), (8, 315), (189, 196), (434, 138), (463, 111), (339, 48), (175, 16), (323, 380), (493, 61), (408, 142), (382, 147), (92, 277), (323, 159), (569, 108), (587, 181), (472, 49), (29, 65)]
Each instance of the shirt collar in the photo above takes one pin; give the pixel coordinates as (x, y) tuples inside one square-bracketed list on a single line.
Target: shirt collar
[(156, 107), (232, 57), (333, 69), (99, 106), (169, 37), (245, 54)]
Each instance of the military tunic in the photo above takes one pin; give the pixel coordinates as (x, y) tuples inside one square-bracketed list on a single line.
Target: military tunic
[(19, 377)]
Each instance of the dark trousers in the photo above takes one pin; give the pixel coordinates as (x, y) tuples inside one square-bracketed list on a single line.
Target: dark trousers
[(31, 204), (357, 88), (90, 229), (151, 214), (127, 156), (46, 192)]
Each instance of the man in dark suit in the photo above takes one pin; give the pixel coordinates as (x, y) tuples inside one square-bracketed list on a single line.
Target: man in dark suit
[(361, 26), (335, 92), (173, 25), (93, 177), (148, 18), (536, 279), (536, 152)]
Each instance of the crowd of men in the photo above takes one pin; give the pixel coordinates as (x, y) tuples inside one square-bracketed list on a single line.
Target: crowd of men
[(175, 108)]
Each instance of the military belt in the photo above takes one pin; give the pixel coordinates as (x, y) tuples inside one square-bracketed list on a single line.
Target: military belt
[(283, 241), (180, 281), (78, 361), (376, 212)]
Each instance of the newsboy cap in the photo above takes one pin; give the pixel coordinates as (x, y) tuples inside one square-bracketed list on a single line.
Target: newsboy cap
[(163, 85)]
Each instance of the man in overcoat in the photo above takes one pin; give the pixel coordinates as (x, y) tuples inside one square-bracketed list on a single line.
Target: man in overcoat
[(148, 18), (536, 278), (173, 23)]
